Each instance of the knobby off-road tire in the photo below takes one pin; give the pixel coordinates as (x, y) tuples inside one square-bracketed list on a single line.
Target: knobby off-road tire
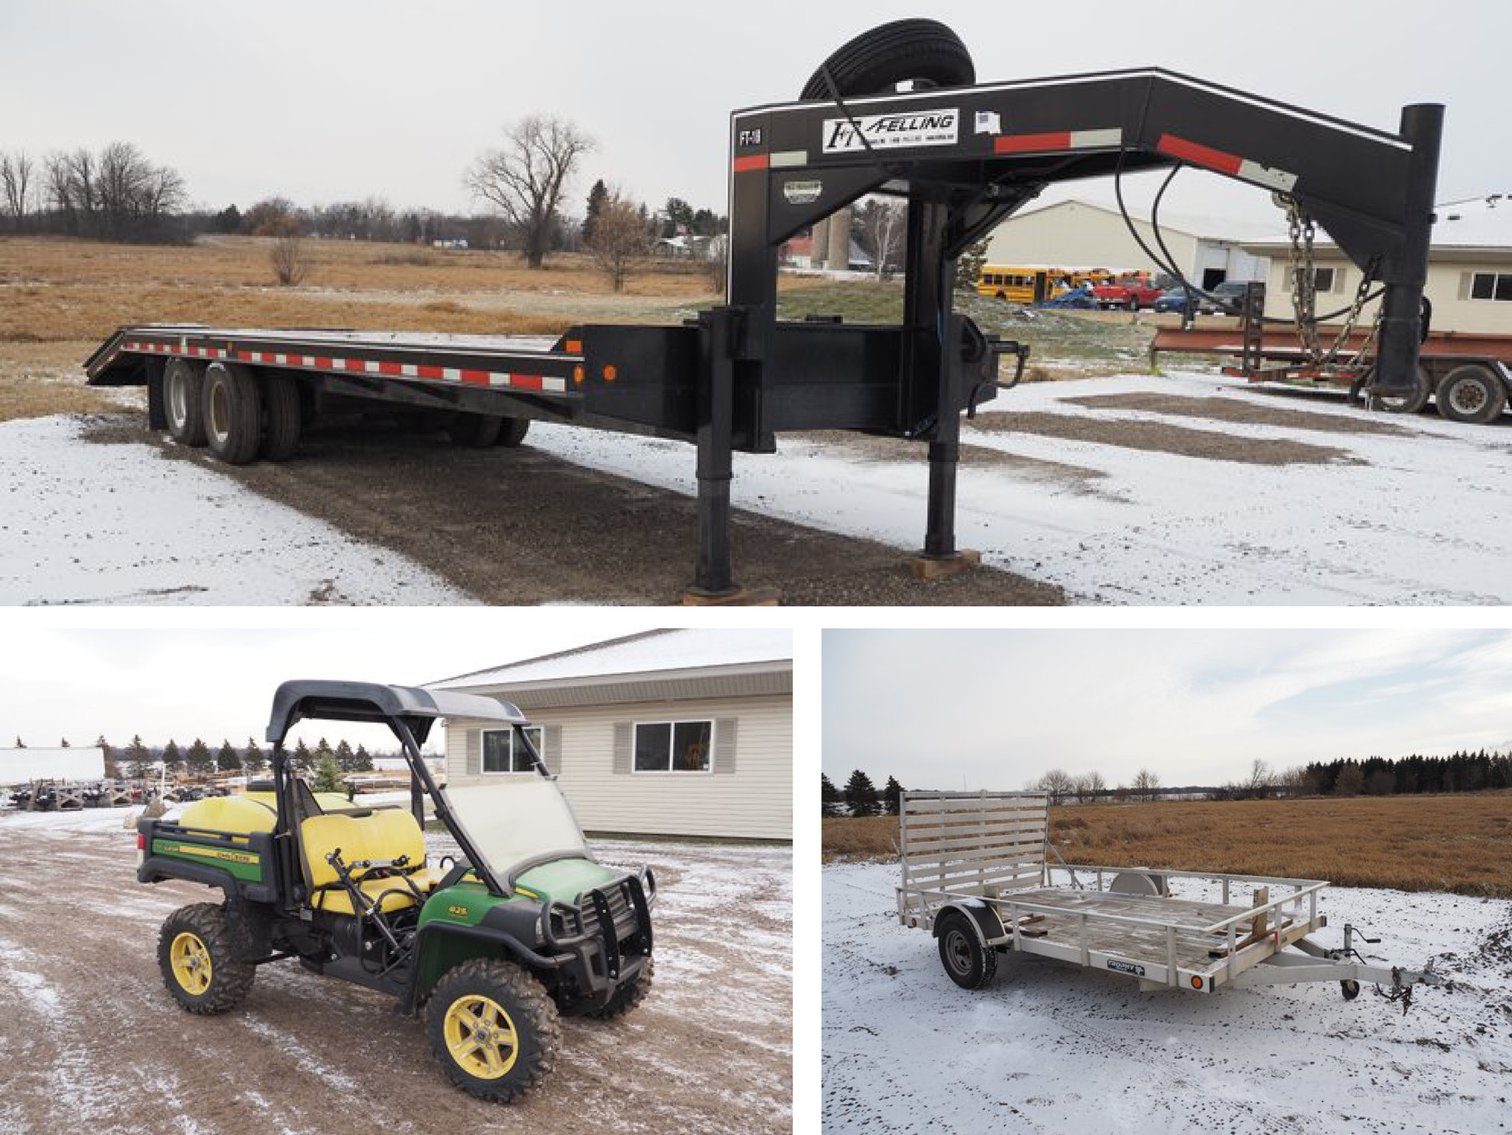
[(198, 960), (233, 413), (924, 51), (183, 401), (1395, 403), (969, 964), (493, 1028), (627, 997), (281, 417), (512, 431), (475, 431), (1471, 393)]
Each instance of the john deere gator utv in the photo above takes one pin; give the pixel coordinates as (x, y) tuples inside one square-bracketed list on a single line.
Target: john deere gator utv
[(524, 926)]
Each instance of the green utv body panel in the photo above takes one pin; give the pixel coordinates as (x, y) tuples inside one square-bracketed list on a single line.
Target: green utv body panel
[(562, 880), (239, 862), (462, 904)]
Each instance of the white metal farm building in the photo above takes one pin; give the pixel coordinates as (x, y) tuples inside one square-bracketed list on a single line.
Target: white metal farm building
[(20, 765), (1469, 269), (1077, 234), (672, 732)]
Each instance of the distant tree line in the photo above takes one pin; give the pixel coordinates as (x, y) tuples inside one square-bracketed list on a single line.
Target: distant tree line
[(1380, 776), (140, 761), (113, 193)]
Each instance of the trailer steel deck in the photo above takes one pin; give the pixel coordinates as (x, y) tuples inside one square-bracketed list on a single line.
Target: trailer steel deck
[(963, 158), (975, 874)]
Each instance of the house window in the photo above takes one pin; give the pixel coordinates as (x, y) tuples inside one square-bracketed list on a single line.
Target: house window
[(503, 751), (1491, 286), (1323, 279), (674, 746)]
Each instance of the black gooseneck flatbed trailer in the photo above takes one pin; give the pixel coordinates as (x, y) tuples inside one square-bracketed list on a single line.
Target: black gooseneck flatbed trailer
[(964, 156)]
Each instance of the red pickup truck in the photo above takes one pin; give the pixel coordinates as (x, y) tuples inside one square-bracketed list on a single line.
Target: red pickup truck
[(1130, 293)]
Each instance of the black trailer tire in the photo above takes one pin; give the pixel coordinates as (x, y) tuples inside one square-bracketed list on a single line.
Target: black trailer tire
[(627, 996), (1350, 988), (925, 51), (282, 417), (969, 964), (183, 401), (1406, 403), (477, 431), (1471, 393), (233, 413), (199, 963), (512, 431), (493, 1028)]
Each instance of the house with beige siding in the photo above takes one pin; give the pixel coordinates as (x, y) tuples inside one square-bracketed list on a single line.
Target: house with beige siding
[(670, 732), (1469, 270)]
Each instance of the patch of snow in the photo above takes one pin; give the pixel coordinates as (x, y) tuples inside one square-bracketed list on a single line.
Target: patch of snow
[(1418, 518), (1050, 1046), (89, 523)]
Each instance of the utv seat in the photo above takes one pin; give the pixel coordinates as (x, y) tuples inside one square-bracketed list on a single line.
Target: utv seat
[(386, 833)]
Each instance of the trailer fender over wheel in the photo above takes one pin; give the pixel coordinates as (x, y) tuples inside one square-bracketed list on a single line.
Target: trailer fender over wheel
[(1471, 393), (512, 432), (493, 1028), (183, 401), (282, 417), (969, 963), (233, 413), (924, 51), (199, 962), (476, 431)]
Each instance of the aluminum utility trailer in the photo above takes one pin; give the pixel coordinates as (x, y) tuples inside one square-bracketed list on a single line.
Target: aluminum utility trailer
[(963, 155), (976, 874)]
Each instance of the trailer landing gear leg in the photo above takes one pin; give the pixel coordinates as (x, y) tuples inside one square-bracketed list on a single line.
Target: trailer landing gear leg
[(941, 558), (712, 582)]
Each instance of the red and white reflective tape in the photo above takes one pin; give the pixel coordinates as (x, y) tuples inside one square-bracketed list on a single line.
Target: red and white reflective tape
[(464, 375), (1231, 164), (1057, 141)]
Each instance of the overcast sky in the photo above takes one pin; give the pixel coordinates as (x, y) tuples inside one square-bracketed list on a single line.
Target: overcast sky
[(996, 709), (218, 684), (323, 100)]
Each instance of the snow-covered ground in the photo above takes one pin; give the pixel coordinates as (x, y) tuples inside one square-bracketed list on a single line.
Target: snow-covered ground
[(1421, 519), (1052, 1047), (111, 524)]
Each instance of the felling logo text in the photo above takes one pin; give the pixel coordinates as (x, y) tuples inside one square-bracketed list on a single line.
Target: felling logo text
[(891, 131)]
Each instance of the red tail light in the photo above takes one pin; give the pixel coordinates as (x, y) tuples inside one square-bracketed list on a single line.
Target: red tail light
[(141, 842)]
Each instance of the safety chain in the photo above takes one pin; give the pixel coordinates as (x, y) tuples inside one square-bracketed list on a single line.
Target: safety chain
[(1399, 992), (1303, 268)]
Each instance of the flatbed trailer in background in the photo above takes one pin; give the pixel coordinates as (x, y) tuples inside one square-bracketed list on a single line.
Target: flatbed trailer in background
[(964, 156), (976, 874)]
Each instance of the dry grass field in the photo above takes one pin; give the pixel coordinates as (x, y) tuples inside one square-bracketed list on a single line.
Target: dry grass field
[(1414, 843), (60, 298)]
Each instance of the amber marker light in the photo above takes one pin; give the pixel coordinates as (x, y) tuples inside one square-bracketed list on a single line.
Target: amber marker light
[(611, 372)]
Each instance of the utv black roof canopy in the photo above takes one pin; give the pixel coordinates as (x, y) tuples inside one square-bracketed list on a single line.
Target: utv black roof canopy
[(370, 701)]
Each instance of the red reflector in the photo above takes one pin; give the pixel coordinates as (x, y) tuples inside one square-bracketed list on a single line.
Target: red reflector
[(141, 842), (1198, 154), (751, 162)]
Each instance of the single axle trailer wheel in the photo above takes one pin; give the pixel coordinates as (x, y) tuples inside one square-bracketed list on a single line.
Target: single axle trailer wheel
[(233, 413), (1471, 393), (493, 1028), (969, 964), (199, 965)]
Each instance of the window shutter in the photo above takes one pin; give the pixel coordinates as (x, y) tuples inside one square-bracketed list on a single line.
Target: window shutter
[(474, 752), (622, 742), (724, 745), (551, 749)]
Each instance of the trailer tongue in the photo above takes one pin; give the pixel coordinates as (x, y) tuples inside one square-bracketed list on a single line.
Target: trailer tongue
[(976, 875), (963, 156)]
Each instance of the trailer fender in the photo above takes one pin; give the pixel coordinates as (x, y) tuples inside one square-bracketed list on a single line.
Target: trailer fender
[(983, 918)]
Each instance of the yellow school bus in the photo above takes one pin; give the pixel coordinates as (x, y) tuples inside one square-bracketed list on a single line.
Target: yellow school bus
[(1034, 283)]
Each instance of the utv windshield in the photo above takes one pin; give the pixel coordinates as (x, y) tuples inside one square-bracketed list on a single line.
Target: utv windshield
[(516, 822)]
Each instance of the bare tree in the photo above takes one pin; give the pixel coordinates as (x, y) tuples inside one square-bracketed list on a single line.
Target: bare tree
[(1258, 784), (1055, 784), (288, 260), (525, 178), (619, 239), (1088, 786), (1146, 785), (15, 182), (883, 225)]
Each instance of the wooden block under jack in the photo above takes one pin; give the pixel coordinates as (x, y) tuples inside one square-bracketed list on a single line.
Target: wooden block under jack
[(740, 597), (942, 567)]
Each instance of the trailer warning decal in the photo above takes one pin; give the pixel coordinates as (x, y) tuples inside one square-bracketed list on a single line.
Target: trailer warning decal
[(891, 131), (1057, 140), (1231, 164)]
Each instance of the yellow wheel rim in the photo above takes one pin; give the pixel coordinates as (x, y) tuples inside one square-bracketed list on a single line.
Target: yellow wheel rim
[(481, 1037), (191, 963)]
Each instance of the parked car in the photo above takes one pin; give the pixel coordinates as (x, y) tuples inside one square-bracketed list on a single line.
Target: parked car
[(1223, 299), (1078, 297), (1129, 292)]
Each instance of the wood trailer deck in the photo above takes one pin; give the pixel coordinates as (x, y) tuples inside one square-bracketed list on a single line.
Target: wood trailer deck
[(976, 874)]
